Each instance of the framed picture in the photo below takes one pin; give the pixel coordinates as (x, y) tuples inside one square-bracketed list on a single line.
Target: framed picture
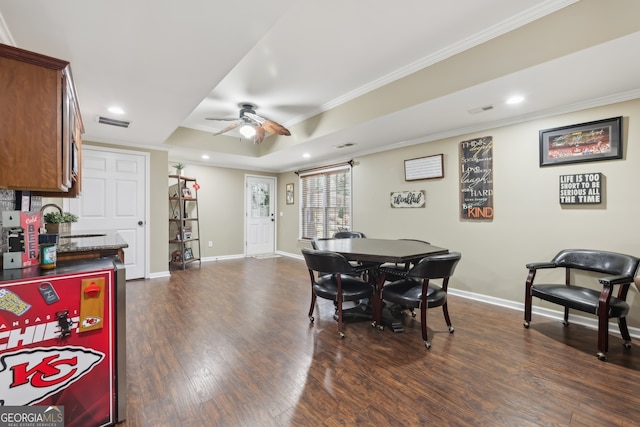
[(290, 194), (586, 142), (186, 193), (188, 254), (428, 167)]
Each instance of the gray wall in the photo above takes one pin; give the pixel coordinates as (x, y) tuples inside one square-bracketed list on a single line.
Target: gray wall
[(529, 223)]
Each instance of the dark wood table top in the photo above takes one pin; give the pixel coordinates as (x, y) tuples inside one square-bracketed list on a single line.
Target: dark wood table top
[(380, 250)]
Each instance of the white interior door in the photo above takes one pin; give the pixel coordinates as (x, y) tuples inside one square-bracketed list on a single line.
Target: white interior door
[(114, 199), (260, 215)]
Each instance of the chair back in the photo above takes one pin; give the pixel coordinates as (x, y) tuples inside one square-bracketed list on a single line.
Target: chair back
[(327, 262), (348, 235), (599, 261), (436, 266)]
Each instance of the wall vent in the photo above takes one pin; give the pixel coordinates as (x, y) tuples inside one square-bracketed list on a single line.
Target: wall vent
[(113, 122), (481, 109), (345, 145)]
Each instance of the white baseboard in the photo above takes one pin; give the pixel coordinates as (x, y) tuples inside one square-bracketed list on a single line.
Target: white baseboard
[(589, 322)]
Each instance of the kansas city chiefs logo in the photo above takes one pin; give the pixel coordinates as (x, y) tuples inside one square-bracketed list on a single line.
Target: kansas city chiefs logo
[(30, 375)]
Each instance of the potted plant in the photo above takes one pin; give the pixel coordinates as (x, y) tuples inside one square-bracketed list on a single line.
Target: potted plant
[(178, 167), (59, 222)]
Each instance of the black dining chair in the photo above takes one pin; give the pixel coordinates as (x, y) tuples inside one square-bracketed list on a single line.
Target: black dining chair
[(401, 268), (415, 290), (348, 235), (334, 278)]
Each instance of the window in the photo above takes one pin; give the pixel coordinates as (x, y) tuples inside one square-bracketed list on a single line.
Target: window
[(326, 202)]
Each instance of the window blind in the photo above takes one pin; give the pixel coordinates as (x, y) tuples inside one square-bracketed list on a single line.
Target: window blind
[(325, 206)]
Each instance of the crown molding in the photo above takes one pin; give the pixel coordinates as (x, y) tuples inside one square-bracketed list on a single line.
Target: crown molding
[(470, 42)]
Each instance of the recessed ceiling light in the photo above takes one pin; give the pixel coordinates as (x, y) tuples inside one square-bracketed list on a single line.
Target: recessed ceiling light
[(205, 156), (116, 110), (517, 99), (306, 155)]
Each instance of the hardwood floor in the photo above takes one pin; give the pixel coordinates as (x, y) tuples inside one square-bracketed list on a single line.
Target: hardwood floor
[(230, 344)]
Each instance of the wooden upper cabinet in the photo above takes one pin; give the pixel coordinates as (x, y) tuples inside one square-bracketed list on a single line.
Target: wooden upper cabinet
[(40, 124)]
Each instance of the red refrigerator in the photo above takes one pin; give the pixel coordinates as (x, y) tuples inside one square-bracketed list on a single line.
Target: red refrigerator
[(62, 340)]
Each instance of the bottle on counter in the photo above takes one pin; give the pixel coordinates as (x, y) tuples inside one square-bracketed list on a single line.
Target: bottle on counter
[(48, 250)]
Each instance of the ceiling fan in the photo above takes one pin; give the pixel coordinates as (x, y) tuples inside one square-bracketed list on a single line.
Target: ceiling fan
[(251, 125)]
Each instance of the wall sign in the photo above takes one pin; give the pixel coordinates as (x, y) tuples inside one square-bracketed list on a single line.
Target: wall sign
[(581, 189), (476, 179), (424, 168), (408, 199)]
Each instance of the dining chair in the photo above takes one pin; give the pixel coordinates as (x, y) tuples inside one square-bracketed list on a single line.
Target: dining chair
[(576, 293), (415, 290), (348, 235), (334, 278), (401, 268)]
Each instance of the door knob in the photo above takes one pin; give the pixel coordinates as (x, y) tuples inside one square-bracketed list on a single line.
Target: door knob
[(140, 223)]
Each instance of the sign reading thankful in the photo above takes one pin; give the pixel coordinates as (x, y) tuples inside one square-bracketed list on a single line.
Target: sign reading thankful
[(408, 199)]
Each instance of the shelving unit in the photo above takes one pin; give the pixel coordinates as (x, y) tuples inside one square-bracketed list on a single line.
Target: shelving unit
[(184, 228)]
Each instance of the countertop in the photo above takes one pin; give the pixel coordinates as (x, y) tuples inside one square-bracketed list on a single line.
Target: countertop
[(63, 267), (90, 241)]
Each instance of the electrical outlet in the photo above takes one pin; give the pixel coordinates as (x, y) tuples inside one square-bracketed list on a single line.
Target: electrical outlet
[(210, 244)]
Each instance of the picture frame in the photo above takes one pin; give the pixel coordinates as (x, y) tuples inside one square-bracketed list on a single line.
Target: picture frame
[(186, 193), (289, 194), (584, 142), (428, 167), (188, 254)]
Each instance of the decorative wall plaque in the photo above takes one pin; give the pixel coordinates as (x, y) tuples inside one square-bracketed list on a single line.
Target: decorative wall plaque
[(424, 168), (581, 189), (408, 199), (476, 179)]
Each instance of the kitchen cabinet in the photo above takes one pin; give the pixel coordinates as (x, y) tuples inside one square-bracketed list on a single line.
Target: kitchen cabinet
[(40, 124)]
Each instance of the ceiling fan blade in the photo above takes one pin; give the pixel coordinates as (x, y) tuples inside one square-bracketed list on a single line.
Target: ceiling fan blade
[(259, 136), (230, 127), (275, 128), (220, 120)]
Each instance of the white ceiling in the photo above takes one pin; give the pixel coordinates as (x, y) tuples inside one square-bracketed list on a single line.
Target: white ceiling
[(334, 71)]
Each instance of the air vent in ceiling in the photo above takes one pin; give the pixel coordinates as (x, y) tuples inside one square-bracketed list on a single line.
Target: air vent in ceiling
[(345, 145), (113, 122), (481, 109)]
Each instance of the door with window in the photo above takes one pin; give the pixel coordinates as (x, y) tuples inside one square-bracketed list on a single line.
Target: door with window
[(260, 215)]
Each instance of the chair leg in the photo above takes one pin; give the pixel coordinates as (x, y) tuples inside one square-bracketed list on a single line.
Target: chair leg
[(445, 311), (528, 298), (313, 305), (603, 331), (624, 331), (423, 321), (340, 325)]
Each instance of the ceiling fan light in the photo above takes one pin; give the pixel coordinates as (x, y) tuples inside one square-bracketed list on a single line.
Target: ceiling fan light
[(247, 131)]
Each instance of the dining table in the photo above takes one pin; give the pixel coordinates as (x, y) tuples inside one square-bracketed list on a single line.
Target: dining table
[(375, 252)]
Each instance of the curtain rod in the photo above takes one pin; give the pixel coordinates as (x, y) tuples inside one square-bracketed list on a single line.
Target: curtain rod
[(350, 163)]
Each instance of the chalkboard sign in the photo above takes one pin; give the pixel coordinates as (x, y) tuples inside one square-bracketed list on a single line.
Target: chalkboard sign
[(581, 189), (476, 179)]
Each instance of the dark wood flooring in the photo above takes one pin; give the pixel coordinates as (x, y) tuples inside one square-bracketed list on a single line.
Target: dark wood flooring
[(230, 344)]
